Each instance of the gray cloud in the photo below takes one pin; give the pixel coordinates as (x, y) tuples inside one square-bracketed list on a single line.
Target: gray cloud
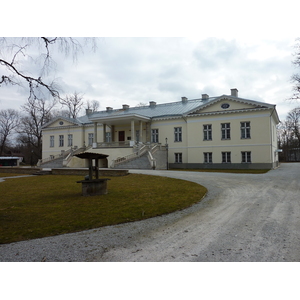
[(134, 70)]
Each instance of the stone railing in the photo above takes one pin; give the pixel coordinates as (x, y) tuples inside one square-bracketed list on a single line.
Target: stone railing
[(152, 160), (114, 144), (68, 158), (53, 157), (141, 151)]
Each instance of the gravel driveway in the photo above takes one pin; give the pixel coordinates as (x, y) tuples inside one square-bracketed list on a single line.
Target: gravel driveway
[(242, 218)]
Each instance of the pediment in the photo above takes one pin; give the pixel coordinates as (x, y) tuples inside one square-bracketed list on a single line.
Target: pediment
[(60, 122), (227, 103)]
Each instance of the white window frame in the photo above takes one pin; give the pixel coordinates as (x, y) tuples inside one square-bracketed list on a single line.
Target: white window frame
[(226, 157), (207, 157), (154, 136), (246, 157), (207, 132), (178, 158), (51, 141), (177, 134), (245, 130), (225, 131), (70, 140), (90, 139), (107, 137), (61, 140)]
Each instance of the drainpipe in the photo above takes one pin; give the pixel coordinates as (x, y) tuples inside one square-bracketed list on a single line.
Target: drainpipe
[(271, 137)]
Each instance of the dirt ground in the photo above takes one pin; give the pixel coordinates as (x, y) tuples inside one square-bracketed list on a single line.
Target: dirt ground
[(243, 218)]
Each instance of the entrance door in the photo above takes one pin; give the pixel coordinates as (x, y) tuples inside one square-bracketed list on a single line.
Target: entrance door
[(121, 136)]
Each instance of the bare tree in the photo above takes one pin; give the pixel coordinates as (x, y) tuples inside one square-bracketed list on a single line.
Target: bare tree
[(9, 120), (15, 52), (59, 113), (141, 104), (37, 113), (92, 105), (289, 136), (296, 77), (293, 121), (73, 103)]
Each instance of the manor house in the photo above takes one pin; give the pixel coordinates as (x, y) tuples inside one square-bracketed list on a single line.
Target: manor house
[(224, 132)]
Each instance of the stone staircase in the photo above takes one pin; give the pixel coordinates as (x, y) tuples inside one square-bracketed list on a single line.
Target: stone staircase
[(42, 172), (54, 163), (142, 162)]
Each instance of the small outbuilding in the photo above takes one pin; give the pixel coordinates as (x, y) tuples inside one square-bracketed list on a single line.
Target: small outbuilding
[(9, 161)]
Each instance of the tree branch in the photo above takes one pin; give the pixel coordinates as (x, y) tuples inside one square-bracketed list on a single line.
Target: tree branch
[(31, 80)]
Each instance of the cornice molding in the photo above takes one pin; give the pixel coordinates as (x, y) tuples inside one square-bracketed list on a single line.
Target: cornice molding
[(227, 112), (71, 126)]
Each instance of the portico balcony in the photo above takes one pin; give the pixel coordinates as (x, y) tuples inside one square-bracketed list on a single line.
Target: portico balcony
[(125, 144)]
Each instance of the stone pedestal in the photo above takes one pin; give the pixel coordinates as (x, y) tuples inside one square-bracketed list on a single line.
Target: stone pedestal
[(94, 187)]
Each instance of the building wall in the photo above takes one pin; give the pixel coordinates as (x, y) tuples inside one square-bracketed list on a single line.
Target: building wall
[(80, 137), (262, 142)]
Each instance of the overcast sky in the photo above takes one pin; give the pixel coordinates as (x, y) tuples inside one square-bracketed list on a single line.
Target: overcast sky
[(226, 46)]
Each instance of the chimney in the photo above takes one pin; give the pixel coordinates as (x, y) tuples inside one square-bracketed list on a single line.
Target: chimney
[(234, 92), (152, 103), (125, 106), (88, 111), (205, 97), (184, 99), (109, 108)]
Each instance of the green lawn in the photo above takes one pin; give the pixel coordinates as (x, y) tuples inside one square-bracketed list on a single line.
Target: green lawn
[(9, 174), (39, 206)]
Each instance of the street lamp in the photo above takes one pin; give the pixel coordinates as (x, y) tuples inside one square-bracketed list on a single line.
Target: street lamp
[(167, 148)]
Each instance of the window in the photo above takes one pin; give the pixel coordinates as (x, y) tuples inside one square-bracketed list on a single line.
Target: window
[(177, 134), (246, 157), (107, 137), (154, 135), (51, 140), (207, 157), (225, 127), (226, 157), (245, 130), (178, 158), (91, 139), (207, 133), (137, 136), (61, 141), (70, 140)]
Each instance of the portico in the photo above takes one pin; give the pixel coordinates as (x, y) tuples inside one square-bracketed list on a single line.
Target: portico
[(121, 131)]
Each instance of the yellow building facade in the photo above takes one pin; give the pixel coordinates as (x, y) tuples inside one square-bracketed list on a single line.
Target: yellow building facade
[(210, 132)]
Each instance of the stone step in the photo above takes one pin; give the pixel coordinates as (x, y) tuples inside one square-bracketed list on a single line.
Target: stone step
[(43, 173)]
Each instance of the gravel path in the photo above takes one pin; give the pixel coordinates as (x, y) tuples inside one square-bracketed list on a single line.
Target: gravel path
[(244, 217)]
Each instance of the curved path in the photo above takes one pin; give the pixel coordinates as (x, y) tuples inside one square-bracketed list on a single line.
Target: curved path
[(244, 217)]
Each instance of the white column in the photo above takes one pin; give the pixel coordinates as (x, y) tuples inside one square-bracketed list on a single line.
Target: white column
[(95, 136), (104, 133), (112, 133), (132, 133), (83, 136), (141, 131)]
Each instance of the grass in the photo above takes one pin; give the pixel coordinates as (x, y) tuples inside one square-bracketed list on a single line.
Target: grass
[(9, 174), (39, 206)]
